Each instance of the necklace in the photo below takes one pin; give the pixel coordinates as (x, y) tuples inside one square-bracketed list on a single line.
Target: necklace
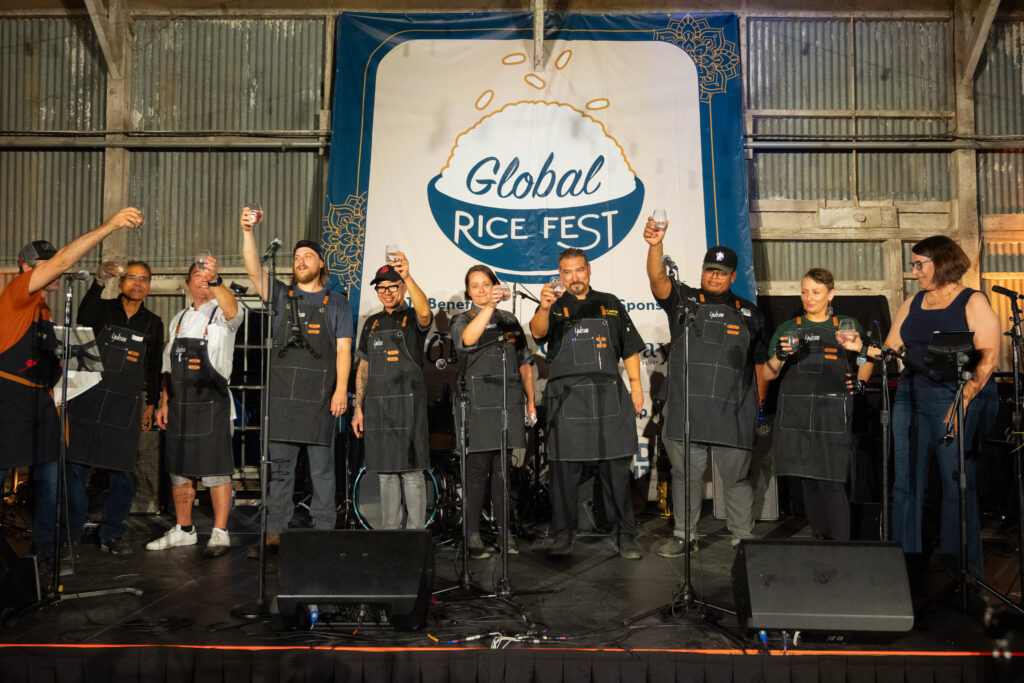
[(940, 302)]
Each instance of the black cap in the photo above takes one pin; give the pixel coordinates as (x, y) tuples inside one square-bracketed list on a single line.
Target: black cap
[(315, 246), (40, 250), (721, 258), (386, 274)]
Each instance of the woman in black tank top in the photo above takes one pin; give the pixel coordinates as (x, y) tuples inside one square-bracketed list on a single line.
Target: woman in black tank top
[(925, 396)]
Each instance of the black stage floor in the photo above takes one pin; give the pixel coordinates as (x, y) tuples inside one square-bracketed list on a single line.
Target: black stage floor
[(187, 601)]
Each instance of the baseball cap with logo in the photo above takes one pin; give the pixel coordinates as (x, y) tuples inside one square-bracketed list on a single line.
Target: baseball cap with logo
[(721, 258), (386, 274), (39, 250)]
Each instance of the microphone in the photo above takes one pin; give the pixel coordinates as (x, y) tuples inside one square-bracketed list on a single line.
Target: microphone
[(80, 275), (526, 295), (272, 249), (442, 363), (1007, 292), (673, 269)]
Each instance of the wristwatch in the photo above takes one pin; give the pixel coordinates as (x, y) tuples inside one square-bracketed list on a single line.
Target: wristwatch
[(862, 357), (216, 283)]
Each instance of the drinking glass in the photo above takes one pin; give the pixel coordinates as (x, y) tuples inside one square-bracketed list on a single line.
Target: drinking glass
[(660, 219), (557, 286), (506, 290), (847, 331), (257, 209), (391, 253), (201, 259)]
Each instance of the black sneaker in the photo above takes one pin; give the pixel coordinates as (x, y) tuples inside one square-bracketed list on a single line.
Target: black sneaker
[(117, 546), (477, 549)]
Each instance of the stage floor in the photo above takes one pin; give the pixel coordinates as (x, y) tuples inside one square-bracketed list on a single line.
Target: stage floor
[(578, 602)]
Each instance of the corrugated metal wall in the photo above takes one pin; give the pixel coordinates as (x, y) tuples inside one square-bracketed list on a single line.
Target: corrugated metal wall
[(798, 64), (775, 261), (805, 64), (1004, 257), (248, 75), (54, 195), (214, 75), (53, 76), (999, 111), (192, 200), (999, 81), (53, 79)]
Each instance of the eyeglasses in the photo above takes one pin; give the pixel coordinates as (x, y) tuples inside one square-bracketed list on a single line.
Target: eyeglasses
[(390, 289), (918, 265), (137, 278)]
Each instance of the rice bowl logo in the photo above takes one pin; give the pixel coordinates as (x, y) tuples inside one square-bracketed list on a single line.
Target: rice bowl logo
[(513, 200)]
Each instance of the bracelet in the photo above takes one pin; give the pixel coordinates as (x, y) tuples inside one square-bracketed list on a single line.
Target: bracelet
[(216, 283)]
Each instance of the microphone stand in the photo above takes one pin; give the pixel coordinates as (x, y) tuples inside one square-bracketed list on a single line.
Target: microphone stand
[(685, 594), (503, 586), (961, 358), (1016, 440), (259, 608), (55, 593)]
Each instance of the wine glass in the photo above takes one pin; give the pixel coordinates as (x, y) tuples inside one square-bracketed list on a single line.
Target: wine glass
[(847, 331), (557, 286), (506, 290), (391, 253), (660, 219)]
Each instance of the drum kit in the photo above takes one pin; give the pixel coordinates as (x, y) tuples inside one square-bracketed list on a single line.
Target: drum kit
[(529, 503)]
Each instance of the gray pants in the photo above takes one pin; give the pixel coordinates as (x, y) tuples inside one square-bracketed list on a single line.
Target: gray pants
[(393, 485), (733, 465), (280, 504)]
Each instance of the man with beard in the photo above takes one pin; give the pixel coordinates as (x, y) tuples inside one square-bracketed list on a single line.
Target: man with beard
[(391, 396), (308, 379), (591, 414), (29, 367), (196, 410), (106, 420), (730, 337)]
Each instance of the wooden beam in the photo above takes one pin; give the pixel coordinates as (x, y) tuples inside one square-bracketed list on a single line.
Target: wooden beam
[(538, 35), (101, 24), (980, 27)]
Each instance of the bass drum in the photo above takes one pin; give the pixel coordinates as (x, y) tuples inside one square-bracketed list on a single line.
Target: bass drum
[(366, 499)]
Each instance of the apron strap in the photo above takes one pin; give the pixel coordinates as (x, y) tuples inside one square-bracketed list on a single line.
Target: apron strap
[(21, 380)]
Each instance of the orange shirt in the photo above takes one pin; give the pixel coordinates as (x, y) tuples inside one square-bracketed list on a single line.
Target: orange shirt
[(19, 309)]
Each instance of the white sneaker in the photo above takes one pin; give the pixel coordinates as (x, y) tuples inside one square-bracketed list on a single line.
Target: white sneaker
[(219, 543), (173, 538)]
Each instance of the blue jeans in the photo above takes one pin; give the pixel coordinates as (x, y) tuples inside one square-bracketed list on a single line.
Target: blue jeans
[(115, 512), (44, 490), (918, 429)]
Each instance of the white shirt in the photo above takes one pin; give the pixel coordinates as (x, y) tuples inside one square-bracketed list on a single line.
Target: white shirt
[(220, 334)]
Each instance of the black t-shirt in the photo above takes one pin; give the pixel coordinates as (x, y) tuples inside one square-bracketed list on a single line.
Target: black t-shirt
[(97, 312), (339, 313), (626, 341), (404, 317), (501, 321), (751, 314)]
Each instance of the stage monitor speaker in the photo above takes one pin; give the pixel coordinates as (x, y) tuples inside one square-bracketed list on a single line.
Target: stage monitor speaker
[(366, 577), (829, 586), (19, 578)]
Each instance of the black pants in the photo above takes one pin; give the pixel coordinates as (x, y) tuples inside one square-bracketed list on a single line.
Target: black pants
[(618, 503), (827, 508), (480, 466)]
